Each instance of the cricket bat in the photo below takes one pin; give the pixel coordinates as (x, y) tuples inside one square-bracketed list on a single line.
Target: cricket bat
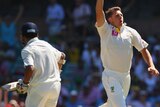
[(9, 86), (103, 105)]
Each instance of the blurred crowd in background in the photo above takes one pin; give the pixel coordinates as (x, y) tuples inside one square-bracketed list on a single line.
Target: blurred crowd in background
[(69, 25)]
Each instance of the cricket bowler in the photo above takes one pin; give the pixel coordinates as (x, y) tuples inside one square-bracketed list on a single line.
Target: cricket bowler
[(117, 42)]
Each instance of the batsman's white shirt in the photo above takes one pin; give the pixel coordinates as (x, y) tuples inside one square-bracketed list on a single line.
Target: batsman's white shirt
[(45, 83), (44, 58), (117, 49)]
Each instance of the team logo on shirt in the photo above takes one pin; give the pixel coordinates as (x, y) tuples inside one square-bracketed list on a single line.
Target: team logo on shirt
[(112, 89), (114, 31)]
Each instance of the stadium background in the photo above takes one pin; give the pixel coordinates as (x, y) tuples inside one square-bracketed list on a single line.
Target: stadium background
[(81, 76)]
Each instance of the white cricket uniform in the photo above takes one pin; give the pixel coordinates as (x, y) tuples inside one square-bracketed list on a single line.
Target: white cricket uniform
[(116, 55), (45, 83)]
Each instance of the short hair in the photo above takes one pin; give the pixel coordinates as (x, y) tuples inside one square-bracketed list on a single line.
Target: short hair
[(110, 11)]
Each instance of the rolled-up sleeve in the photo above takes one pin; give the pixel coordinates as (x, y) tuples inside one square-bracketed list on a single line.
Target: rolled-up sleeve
[(137, 41), (57, 54), (102, 30), (27, 58)]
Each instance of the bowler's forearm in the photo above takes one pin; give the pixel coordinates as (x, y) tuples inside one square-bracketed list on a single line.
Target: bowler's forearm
[(99, 5), (147, 57), (100, 16)]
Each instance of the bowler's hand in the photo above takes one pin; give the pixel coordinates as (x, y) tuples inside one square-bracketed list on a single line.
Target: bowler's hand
[(153, 71)]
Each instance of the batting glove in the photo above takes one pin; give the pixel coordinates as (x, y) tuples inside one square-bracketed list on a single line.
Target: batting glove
[(21, 87)]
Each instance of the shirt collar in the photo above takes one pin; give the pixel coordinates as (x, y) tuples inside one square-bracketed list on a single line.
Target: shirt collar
[(119, 30), (32, 40)]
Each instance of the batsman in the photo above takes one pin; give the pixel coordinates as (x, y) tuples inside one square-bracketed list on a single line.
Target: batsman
[(43, 64), (117, 42)]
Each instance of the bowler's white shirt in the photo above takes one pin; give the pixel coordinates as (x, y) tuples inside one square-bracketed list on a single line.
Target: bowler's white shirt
[(44, 58), (117, 50)]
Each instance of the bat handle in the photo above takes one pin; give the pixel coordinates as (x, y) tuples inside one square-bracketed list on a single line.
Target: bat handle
[(20, 81)]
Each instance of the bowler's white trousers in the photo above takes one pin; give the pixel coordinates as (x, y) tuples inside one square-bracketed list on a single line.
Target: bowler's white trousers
[(117, 86), (45, 95)]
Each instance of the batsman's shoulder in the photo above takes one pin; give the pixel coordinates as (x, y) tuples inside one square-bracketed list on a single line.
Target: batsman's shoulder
[(26, 50)]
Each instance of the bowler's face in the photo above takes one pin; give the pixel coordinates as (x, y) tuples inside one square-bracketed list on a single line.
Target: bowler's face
[(117, 19)]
